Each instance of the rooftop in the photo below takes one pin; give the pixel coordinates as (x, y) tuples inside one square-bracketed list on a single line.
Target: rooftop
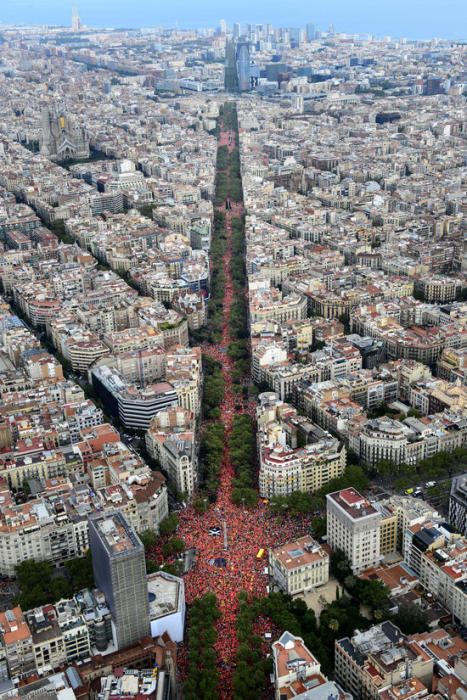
[(165, 592), (116, 533), (299, 553), (353, 503)]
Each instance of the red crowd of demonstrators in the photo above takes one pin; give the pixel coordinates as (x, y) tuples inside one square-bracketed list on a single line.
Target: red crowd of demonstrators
[(249, 530)]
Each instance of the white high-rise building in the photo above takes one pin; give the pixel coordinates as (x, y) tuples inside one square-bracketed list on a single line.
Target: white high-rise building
[(353, 525), (75, 21)]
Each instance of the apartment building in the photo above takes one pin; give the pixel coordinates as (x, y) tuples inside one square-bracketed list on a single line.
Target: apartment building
[(294, 666), (35, 531), (47, 639), (381, 438), (16, 639), (439, 290), (39, 464), (452, 365), (54, 526), (410, 512), (75, 631), (299, 567), (371, 662), (388, 533), (270, 305), (331, 406), (170, 440), (83, 350), (135, 407), (294, 455), (284, 470), (439, 558), (179, 459), (411, 440), (353, 526)]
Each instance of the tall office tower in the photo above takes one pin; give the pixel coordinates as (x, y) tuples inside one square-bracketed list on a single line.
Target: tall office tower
[(230, 70), (237, 30), (75, 21), (294, 35), (458, 503), (120, 573), (310, 32), (222, 26), (243, 66)]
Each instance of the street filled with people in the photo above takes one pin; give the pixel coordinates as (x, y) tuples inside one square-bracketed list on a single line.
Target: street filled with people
[(231, 541)]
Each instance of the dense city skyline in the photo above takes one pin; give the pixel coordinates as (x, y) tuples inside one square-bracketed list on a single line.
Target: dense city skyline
[(414, 19), (233, 353)]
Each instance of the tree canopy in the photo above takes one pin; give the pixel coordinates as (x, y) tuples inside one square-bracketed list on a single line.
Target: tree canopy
[(40, 583)]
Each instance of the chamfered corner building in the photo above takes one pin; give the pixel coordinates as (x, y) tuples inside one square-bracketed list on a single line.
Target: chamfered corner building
[(120, 573)]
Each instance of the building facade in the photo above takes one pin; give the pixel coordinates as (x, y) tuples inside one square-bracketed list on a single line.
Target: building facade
[(120, 572), (299, 567), (458, 503), (353, 526)]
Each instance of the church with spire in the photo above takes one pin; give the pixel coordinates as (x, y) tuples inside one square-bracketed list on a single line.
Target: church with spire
[(62, 138)]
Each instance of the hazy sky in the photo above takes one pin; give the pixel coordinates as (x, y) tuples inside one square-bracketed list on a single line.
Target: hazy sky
[(411, 18)]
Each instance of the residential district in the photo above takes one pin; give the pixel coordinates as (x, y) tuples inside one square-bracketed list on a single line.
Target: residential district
[(233, 364)]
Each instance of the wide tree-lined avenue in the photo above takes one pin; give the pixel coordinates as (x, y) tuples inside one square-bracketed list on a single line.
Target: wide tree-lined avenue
[(227, 563)]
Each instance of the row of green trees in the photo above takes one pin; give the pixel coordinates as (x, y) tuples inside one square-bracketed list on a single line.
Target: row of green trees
[(243, 455), (213, 387), (228, 180), (222, 187), (229, 116), (235, 180), (217, 289), (250, 668), (238, 322), (210, 459), (238, 253), (223, 158), (440, 466), (299, 503), (202, 675), (169, 525), (238, 318)]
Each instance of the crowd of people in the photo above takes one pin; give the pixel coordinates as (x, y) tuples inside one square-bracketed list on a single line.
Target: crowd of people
[(248, 530)]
